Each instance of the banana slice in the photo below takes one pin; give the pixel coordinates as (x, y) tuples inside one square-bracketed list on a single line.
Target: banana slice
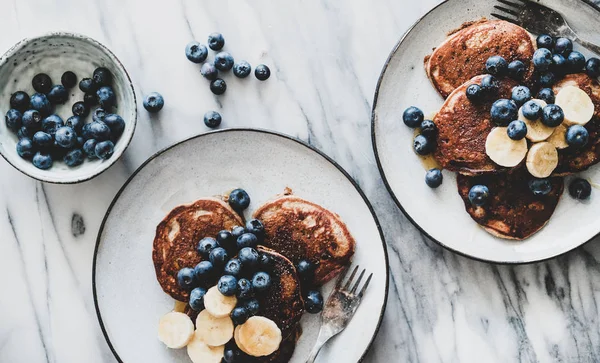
[(213, 331), (217, 304), (576, 104), (536, 130), (542, 159), (200, 352), (559, 137), (259, 336), (179, 306), (175, 329), (503, 150), (236, 337)]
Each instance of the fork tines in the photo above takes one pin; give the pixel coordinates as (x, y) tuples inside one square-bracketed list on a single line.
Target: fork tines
[(346, 287), (519, 6)]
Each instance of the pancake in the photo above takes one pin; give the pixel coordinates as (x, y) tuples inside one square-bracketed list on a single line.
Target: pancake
[(575, 160), (463, 128), (512, 212), (464, 53)]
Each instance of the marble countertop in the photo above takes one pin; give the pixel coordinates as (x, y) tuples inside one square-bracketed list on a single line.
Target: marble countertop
[(325, 58)]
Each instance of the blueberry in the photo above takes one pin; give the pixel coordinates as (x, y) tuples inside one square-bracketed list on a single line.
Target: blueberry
[(580, 189), (237, 231), (218, 257), (552, 115), (434, 178), (262, 72), (563, 46), (478, 195), (261, 281), (58, 95), (516, 130), (80, 109), (209, 71), (99, 114), (249, 258), (520, 94), (14, 119), (197, 299), (52, 123), (540, 187), (25, 148), (559, 64), (204, 272), (546, 79), (490, 85), (234, 355), (154, 102), (266, 262), (212, 119), (43, 140), (575, 62), (75, 122), (412, 116), (233, 267), (80, 142), (19, 101), (186, 278), (39, 102), (65, 137), (242, 69), (545, 41), (227, 285), (577, 136), (41, 83), (226, 240), (96, 130), (503, 111), (244, 289), (474, 93), (102, 77), (42, 160), (116, 124), (516, 70), (423, 145), (592, 67), (496, 65), (223, 61), (24, 132), (104, 149), (239, 199), (313, 302), (107, 98), (255, 227), (206, 245), (546, 95), (196, 52), (428, 128), (216, 41), (89, 148), (253, 306), (90, 99), (247, 240), (73, 157), (218, 86), (239, 316), (306, 271), (68, 79), (87, 85), (542, 59)]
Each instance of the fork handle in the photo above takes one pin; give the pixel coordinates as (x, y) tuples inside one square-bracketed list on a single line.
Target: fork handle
[(321, 340), (591, 46)]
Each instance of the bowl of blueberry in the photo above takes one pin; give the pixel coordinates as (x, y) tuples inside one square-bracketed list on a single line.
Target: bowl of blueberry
[(69, 108)]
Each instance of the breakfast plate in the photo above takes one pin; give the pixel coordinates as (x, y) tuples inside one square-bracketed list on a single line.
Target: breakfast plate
[(128, 299), (440, 213)]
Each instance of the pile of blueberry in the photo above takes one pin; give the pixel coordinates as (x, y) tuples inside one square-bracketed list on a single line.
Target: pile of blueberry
[(43, 135)]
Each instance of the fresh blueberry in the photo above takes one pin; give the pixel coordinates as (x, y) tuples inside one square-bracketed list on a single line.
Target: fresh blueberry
[(223, 61), (428, 128), (39, 102), (496, 65), (233, 267), (244, 289), (249, 258), (226, 240), (186, 278), (209, 71), (552, 115), (546, 95), (237, 231), (89, 148), (41, 83), (234, 355), (65, 137), (504, 111), (197, 299), (520, 94), (247, 240), (412, 117), (242, 69), (43, 140), (73, 157), (478, 195), (99, 114), (25, 148), (546, 79), (575, 62), (592, 67), (577, 136), (107, 98), (516, 70), (154, 102), (80, 142), (218, 256), (261, 281), (490, 85), (14, 119), (102, 77), (540, 187), (204, 272), (216, 41), (563, 46), (474, 93), (255, 227), (116, 124), (42, 161), (266, 262), (196, 52), (542, 59), (52, 123), (532, 110), (580, 189), (253, 306), (90, 99), (434, 178), (227, 285), (262, 72), (206, 245), (19, 101), (306, 271), (80, 109), (218, 86), (104, 149), (96, 130), (24, 132), (423, 145), (239, 316), (239, 199), (313, 302), (516, 130), (58, 95), (75, 122), (545, 41), (559, 64), (68, 79), (212, 119), (87, 85)]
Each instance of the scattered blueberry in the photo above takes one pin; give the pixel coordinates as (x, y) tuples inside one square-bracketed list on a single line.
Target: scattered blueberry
[(540, 187), (546, 95), (209, 71), (559, 64), (19, 101), (107, 98), (233, 267), (478, 195), (25, 148), (227, 285), (563, 46), (216, 41), (542, 59), (104, 149), (313, 302), (212, 119), (39, 102), (592, 67), (197, 299), (186, 278), (24, 132), (204, 271), (58, 95), (255, 227), (504, 111), (262, 72), (218, 256), (14, 119), (261, 281), (154, 102), (196, 52), (434, 178), (96, 130), (545, 41), (412, 116), (552, 115), (237, 231), (249, 258), (239, 199), (242, 69), (496, 65), (68, 79), (474, 93), (575, 62), (244, 289), (223, 61), (73, 157), (52, 123), (43, 140), (80, 109), (102, 77), (516, 70), (577, 136), (42, 161), (65, 137), (89, 148), (520, 94), (218, 86), (239, 316), (87, 85), (428, 128), (516, 130), (253, 306), (206, 245), (247, 240), (75, 122), (116, 124), (41, 83), (423, 145), (546, 79), (490, 85), (580, 189)]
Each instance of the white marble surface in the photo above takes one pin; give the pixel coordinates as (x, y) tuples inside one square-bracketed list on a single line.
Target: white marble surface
[(325, 57)]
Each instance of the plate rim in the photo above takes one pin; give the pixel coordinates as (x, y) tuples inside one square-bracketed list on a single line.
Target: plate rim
[(243, 129), (387, 184)]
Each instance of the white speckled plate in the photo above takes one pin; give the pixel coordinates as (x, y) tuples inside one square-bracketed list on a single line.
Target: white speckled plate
[(440, 214), (129, 300)]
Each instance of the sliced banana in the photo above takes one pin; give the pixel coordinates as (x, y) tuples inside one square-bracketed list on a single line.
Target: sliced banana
[(212, 330), (259, 336), (536, 130), (236, 337), (542, 159), (217, 304), (200, 352), (559, 137), (576, 104), (503, 150), (179, 306), (175, 329)]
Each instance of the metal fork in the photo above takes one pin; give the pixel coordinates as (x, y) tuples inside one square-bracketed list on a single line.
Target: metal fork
[(540, 19), (339, 309)]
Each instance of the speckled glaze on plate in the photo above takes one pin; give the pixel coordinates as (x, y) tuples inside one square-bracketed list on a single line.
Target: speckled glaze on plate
[(440, 214), (129, 300)]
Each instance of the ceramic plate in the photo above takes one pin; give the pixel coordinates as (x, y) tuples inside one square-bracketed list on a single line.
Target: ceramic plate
[(440, 213), (129, 300)]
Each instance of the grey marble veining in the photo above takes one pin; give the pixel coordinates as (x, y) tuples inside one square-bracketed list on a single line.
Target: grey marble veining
[(325, 58)]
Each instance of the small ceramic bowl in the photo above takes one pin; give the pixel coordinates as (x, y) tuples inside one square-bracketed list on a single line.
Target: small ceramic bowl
[(54, 54)]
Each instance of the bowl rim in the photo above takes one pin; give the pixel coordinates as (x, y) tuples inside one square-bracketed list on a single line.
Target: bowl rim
[(126, 139)]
